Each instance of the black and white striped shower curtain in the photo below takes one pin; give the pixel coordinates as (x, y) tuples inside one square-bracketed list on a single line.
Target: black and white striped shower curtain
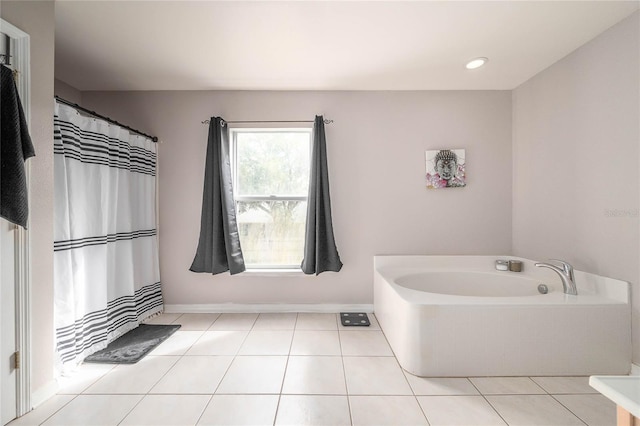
[(106, 273)]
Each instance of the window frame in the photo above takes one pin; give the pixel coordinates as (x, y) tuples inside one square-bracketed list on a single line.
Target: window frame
[(233, 132)]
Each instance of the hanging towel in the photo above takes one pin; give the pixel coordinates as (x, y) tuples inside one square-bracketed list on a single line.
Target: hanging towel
[(16, 147)]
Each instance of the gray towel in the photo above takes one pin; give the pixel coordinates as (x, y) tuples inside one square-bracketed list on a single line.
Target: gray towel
[(16, 147)]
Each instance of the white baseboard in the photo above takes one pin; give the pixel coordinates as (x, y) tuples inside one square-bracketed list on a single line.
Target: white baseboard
[(266, 307), (635, 370), (44, 393)]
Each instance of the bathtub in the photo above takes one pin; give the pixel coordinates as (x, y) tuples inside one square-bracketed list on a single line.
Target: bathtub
[(448, 316)]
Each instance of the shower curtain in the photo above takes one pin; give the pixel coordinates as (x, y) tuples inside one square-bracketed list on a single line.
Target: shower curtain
[(106, 273)]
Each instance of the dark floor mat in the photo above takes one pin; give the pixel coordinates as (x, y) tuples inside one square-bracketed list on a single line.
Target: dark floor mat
[(132, 346), (354, 319)]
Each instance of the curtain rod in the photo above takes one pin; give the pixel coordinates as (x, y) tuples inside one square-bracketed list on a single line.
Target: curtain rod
[(326, 121), (95, 114)]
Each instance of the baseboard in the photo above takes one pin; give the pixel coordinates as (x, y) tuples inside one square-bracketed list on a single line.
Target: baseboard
[(635, 370), (44, 393), (266, 307)]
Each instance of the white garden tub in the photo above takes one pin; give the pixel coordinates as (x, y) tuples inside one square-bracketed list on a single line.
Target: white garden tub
[(448, 316)]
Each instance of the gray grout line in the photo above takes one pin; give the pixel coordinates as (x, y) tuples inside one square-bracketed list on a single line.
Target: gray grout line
[(402, 370), (284, 376), (344, 371), (235, 355), (487, 401), (495, 410), (144, 395), (56, 411), (185, 355), (132, 408), (567, 408), (205, 407)]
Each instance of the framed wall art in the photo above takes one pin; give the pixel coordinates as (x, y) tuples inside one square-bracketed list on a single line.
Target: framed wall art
[(445, 168)]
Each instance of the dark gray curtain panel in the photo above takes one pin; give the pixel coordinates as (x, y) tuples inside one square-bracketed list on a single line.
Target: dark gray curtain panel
[(219, 244), (320, 251)]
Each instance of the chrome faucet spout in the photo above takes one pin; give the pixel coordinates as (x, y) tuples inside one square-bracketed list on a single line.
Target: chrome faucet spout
[(566, 267), (566, 275)]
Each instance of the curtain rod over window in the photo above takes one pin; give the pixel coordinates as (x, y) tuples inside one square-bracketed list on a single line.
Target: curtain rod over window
[(95, 114), (326, 121)]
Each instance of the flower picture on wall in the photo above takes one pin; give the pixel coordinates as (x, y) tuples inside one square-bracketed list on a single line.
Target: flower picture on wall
[(445, 168)]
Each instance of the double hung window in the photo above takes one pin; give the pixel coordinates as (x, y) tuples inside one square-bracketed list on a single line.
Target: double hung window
[(271, 182)]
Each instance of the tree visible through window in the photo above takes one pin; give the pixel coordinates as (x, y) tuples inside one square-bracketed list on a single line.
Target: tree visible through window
[(271, 179)]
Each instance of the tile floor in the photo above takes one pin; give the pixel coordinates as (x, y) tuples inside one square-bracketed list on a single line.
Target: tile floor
[(301, 369)]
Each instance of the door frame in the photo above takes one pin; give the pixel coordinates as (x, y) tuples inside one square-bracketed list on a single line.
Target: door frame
[(22, 61)]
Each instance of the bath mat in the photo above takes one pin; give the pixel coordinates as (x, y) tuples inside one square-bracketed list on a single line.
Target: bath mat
[(132, 346), (354, 319)]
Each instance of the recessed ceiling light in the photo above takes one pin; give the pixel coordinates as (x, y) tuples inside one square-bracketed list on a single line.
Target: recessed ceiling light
[(476, 63)]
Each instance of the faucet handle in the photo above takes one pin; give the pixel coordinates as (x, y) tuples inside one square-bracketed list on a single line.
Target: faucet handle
[(566, 266)]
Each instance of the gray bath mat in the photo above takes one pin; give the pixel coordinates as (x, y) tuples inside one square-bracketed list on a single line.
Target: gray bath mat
[(132, 346), (354, 319)]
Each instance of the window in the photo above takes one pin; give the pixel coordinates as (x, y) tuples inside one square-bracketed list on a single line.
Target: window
[(271, 181)]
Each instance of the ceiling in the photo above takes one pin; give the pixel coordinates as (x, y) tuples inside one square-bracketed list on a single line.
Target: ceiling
[(319, 45)]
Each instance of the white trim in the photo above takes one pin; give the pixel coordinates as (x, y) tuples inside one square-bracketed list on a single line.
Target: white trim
[(44, 393), (266, 307), (23, 318), (271, 198), (21, 61), (276, 272), (233, 133), (635, 370)]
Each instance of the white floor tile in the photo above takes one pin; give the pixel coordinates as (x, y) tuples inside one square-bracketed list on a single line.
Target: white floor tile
[(196, 322), (267, 342), (234, 321), (459, 411), (441, 385), (276, 321), (594, 410), (134, 378), (315, 343), (178, 343), (162, 319), (318, 375), (194, 374), (43, 412), (167, 410), (240, 410), (218, 343), (372, 319), (540, 410), (375, 376), (557, 385), (76, 381), (310, 410), (90, 410), (254, 374), (386, 410), (312, 321), (364, 343), (506, 385), (301, 369)]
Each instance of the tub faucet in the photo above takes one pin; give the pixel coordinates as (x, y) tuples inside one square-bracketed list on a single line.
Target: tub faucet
[(566, 275), (566, 267)]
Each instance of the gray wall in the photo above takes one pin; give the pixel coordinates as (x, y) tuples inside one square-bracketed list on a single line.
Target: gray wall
[(575, 180), (67, 92), (376, 149), (37, 19), (575, 161)]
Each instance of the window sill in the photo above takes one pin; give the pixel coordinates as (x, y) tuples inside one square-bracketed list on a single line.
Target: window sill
[(275, 272)]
